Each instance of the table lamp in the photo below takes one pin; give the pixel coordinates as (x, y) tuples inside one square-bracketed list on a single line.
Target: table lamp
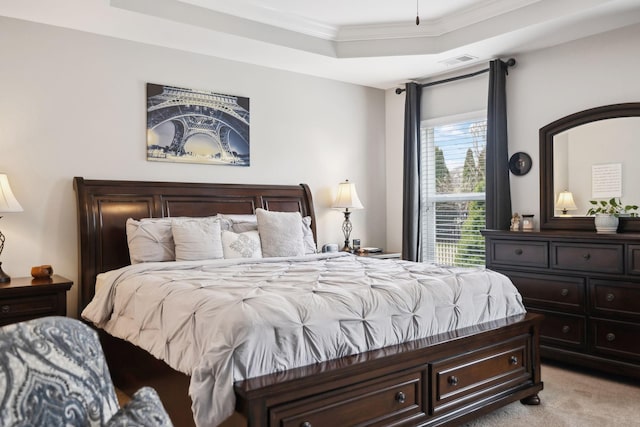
[(8, 203), (347, 198), (565, 202)]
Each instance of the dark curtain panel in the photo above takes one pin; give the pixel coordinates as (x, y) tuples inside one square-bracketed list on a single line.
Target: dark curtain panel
[(411, 184), (498, 192)]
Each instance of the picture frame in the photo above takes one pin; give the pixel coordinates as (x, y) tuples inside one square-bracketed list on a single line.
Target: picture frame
[(197, 126)]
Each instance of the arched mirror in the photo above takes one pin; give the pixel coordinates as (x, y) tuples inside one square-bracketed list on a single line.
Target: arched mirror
[(593, 154)]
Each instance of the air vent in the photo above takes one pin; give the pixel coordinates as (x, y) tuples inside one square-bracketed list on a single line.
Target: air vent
[(458, 60)]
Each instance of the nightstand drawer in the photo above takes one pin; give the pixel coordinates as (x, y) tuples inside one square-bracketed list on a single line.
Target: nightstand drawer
[(554, 292), (22, 308), (588, 257), (514, 253), (25, 298)]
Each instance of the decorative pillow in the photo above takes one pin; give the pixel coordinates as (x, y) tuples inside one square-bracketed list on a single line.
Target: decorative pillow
[(241, 245), (197, 238), (143, 410), (150, 239), (307, 236), (280, 233), (239, 223)]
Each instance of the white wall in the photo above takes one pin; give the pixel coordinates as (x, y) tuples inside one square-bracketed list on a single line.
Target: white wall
[(73, 104), (544, 86)]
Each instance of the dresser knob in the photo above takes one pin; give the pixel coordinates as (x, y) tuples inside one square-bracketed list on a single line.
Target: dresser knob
[(452, 380), (611, 336), (401, 397), (565, 329), (610, 297), (513, 360), (586, 256), (5, 308), (518, 251), (564, 292), (305, 424)]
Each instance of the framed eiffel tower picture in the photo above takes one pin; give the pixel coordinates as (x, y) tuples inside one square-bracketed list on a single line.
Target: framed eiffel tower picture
[(196, 126)]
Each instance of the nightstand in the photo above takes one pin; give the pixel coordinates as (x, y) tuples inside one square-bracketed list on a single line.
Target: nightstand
[(25, 298), (380, 255)]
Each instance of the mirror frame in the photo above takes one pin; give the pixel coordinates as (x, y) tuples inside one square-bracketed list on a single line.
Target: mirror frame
[(548, 220)]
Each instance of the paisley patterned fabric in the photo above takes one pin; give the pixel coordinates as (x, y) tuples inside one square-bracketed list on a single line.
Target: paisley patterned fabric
[(53, 373), (144, 409)]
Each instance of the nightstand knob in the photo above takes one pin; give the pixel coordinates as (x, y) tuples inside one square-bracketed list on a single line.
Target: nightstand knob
[(5, 308), (452, 380), (564, 292), (565, 329), (611, 336), (305, 424), (518, 251), (513, 360), (401, 397), (610, 297), (586, 256)]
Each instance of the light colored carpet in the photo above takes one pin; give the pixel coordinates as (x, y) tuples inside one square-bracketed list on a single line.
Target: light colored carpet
[(573, 398)]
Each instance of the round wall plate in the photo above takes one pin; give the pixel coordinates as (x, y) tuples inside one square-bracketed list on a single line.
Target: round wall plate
[(520, 163)]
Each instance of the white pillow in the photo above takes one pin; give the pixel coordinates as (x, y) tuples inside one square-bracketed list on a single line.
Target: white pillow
[(280, 233), (241, 245), (307, 236), (150, 240), (239, 223), (197, 238)]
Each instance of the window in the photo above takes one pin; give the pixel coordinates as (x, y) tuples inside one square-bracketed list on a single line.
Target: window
[(453, 189)]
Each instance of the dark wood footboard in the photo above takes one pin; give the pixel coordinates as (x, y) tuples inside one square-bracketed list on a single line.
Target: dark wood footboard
[(446, 379)]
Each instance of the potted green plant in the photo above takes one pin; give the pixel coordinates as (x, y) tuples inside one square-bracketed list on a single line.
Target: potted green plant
[(607, 213)]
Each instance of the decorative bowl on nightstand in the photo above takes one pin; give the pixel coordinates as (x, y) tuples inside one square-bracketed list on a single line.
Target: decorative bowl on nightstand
[(41, 271)]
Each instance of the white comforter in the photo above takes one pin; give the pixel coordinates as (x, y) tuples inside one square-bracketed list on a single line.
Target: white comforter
[(225, 320)]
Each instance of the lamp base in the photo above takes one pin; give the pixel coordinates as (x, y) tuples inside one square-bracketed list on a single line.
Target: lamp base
[(4, 278), (346, 229)]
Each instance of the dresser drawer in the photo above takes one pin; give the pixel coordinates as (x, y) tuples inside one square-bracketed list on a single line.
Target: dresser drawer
[(553, 292), (388, 400), (619, 339), (456, 380), (602, 258), (17, 309), (611, 298), (633, 259), (563, 330), (515, 253)]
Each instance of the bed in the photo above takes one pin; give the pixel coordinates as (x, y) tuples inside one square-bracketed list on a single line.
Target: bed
[(449, 377)]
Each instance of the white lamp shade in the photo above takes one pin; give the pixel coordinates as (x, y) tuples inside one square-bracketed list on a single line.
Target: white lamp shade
[(347, 197), (565, 201), (8, 202)]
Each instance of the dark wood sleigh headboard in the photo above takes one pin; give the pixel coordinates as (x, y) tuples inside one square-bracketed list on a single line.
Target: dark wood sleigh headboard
[(105, 205)]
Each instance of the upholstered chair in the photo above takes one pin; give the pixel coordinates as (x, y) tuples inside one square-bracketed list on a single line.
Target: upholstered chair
[(53, 373)]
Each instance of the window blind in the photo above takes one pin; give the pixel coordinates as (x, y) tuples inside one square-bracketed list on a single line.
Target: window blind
[(453, 190)]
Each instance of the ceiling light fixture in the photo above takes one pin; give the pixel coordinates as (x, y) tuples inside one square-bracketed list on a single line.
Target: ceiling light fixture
[(417, 13)]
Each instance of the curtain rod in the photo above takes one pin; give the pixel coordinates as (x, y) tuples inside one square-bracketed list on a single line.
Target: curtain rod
[(510, 63)]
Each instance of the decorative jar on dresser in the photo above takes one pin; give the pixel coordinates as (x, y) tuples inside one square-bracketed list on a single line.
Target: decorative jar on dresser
[(587, 285)]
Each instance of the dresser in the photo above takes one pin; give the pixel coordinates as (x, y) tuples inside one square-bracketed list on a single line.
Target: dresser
[(587, 286)]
